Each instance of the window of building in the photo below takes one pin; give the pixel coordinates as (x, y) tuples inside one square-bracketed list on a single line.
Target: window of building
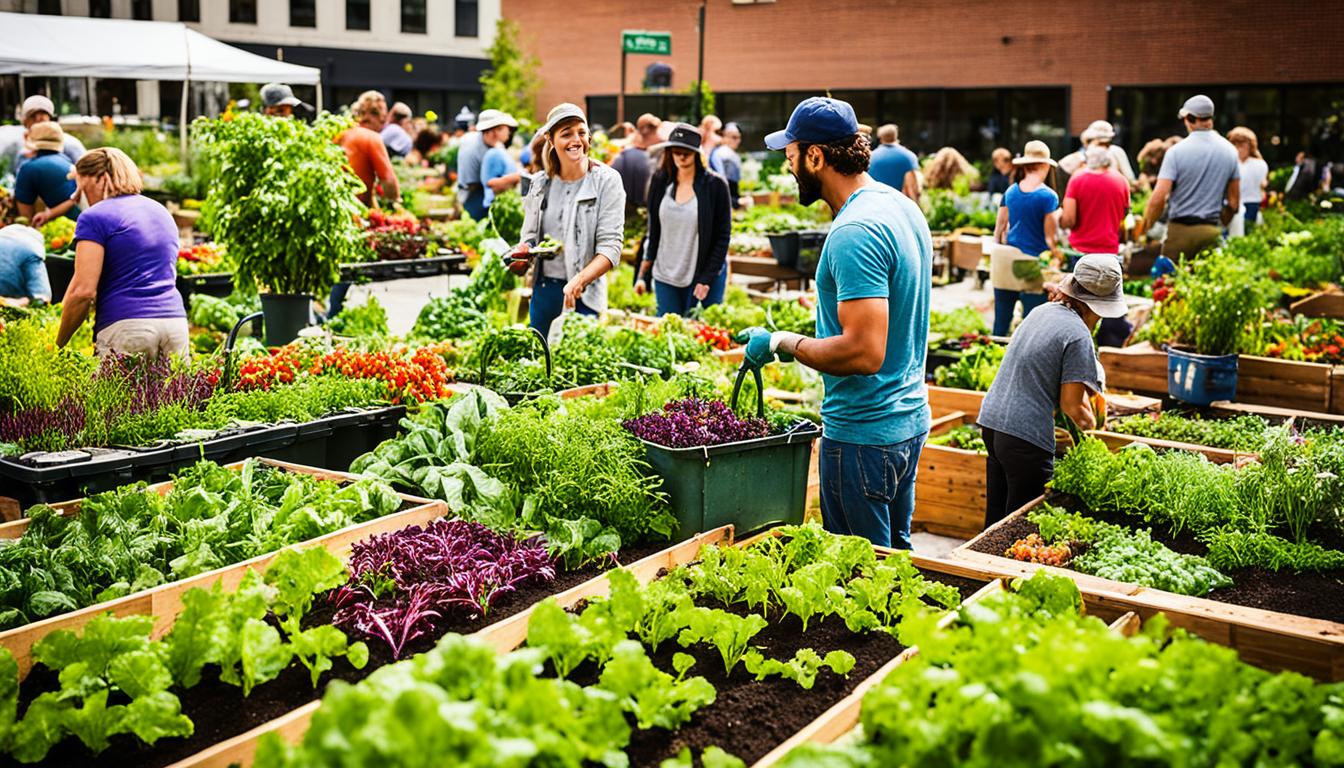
[(100, 9), (466, 18), (188, 10), (142, 10), (242, 11), (303, 13), (357, 15), (413, 17), (49, 7)]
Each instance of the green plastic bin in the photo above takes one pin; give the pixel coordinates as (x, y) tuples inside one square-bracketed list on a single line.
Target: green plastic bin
[(752, 484)]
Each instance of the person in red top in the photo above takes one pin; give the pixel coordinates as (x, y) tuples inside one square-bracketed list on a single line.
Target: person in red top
[(364, 148), (1095, 204)]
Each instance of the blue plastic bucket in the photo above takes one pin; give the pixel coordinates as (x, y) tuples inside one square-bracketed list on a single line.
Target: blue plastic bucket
[(1201, 379)]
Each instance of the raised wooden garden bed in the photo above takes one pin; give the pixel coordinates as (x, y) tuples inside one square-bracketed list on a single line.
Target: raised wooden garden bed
[(164, 602), (843, 718), (1329, 303), (1273, 639), (1260, 380), (950, 485), (504, 635)]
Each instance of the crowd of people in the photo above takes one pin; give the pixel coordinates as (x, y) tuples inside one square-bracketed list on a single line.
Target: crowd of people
[(872, 280)]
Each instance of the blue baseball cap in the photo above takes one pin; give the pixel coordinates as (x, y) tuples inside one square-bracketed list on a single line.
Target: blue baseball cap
[(818, 120)]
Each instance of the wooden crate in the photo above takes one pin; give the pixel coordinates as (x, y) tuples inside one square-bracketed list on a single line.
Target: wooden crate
[(841, 719), (951, 400), (1117, 440), (950, 486), (1138, 368), (1267, 639), (164, 602), (1337, 390), (1321, 304), (504, 635)]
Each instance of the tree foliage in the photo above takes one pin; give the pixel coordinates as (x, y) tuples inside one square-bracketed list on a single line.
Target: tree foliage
[(511, 83)]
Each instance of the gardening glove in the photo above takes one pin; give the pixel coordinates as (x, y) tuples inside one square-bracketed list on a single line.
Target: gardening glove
[(763, 346)]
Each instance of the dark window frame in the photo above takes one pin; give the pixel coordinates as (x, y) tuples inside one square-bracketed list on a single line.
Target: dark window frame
[(423, 16), (241, 10), (462, 26), (310, 16), (368, 15), (142, 10), (100, 9), (189, 10), (50, 8)]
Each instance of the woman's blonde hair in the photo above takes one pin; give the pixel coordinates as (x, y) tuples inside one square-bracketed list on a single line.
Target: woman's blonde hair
[(945, 167), (1243, 135), (367, 103), (113, 169), (550, 158)]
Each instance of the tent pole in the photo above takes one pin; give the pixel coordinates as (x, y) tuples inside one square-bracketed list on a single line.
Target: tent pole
[(182, 128), (319, 95)]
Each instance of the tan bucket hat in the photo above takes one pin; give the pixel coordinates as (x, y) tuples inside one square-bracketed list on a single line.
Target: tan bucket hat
[(1034, 152)]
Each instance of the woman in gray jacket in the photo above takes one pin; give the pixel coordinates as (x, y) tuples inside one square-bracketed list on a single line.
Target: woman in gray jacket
[(579, 203)]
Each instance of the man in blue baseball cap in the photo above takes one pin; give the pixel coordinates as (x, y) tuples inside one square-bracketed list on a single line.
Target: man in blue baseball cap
[(873, 282)]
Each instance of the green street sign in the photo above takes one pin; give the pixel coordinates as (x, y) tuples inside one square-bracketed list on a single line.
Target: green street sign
[(639, 41)]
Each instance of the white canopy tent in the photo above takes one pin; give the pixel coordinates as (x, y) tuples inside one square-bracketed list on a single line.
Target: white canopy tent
[(63, 46)]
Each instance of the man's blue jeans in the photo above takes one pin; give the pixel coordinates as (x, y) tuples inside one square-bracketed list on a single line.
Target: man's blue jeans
[(869, 490)]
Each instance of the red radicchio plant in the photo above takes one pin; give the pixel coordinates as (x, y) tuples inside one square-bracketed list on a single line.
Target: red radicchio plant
[(405, 582)]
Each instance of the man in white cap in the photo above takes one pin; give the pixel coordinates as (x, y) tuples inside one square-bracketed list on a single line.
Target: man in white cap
[(13, 150), (1199, 184), (1051, 365), (278, 100), (492, 127), (23, 274)]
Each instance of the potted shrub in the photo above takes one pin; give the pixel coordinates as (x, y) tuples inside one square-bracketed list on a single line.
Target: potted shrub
[(283, 205), (1219, 298)]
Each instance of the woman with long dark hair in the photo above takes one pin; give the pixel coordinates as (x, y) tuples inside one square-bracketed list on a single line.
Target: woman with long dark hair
[(690, 223)]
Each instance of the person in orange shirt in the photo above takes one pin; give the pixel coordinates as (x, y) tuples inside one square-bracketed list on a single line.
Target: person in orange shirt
[(364, 149)]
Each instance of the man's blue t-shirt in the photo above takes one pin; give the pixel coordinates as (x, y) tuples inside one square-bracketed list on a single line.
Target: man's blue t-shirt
[(1026, 217), (45, 177), (496, 163), (878, 248), (890, 163)]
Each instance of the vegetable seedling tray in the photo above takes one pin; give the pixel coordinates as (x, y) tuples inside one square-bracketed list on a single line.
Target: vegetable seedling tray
[(1270, 639), (164, 602), (505, 636)]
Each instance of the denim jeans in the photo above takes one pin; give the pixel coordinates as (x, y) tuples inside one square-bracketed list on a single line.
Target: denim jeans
[(548, 302), (1005, 301), (679, 301), (337, 298), (869, 490)]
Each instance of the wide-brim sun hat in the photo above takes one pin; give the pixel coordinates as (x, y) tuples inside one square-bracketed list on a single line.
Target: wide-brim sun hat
[(37, 103), (493, 118), (48, 136), (281, 95), (1097, 282), (683, 136), (560, 113), (1099, 130), (1035, 152)]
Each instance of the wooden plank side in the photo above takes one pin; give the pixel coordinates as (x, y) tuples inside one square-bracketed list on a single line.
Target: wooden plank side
[(950, 491), (947, 399), (1283, 383), (1117, 440), (1328, 303), (503, 635), (1337, 390), (1139, 368)]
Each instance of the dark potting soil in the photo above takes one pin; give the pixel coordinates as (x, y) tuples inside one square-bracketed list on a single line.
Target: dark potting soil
[(750, 718), (219, 711), (1313, 595)]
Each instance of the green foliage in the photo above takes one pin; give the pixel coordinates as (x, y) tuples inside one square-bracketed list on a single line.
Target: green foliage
[(704, 94), (145, 146), (368, 319), (802, 668), (974, 370), (1237, 433), (282, 203), (506, 216), (957, 323), (967, 437), (130, 539), (1019, 682), (512, 81)]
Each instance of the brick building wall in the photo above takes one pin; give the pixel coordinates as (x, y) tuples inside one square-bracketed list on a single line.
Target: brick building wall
[(810, 45)]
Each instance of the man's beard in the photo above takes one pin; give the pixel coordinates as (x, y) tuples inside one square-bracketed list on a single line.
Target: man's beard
[(809, 186)]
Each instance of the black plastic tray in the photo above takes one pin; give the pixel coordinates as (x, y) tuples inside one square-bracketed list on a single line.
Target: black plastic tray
[(381, 271)]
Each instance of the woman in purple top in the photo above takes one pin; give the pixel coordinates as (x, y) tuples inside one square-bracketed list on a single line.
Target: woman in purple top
[(125, 264)]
